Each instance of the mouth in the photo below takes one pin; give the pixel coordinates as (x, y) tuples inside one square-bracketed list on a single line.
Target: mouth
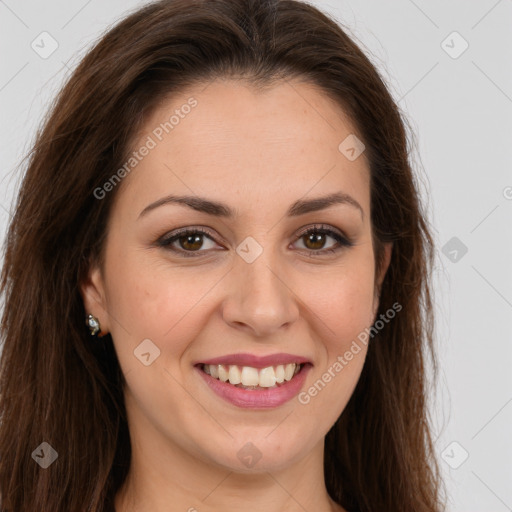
[(255, 381), (251, 378)]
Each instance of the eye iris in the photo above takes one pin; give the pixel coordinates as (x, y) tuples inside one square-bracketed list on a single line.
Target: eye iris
[(317, 239), (191, 242)]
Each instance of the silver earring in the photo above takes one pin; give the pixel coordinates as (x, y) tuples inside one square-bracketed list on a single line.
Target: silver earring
[(93, 323)]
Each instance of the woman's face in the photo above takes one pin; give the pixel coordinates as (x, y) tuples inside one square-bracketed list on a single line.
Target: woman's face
[(255, 168)]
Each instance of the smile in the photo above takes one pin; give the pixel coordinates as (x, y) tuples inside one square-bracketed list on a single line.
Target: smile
[(248, 377), (263, 389)]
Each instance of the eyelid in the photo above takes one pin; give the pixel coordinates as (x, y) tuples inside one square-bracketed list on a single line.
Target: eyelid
[(166, 240), (342, 240), (322, 228)]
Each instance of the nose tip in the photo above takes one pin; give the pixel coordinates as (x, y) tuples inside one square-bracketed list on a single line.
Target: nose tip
[(259, 299)]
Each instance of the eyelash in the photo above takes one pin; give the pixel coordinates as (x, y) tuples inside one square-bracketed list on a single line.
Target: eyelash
[(166, 240)]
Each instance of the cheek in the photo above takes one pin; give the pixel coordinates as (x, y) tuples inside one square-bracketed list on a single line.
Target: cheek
[(342, 298), (177, 307), (151, 298), (341, 309), (330, 387), (345, 308)]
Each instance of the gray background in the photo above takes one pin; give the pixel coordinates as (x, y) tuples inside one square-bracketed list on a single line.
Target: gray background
[(459, 105)]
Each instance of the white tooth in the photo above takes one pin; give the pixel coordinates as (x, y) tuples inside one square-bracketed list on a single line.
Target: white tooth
[(288, 371), (249, 376), (214, 371), (234, 375), (267, 377), (279, 374), (223, 374), (206, 369)]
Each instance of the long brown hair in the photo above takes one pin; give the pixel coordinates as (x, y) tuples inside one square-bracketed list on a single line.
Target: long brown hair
[(59, 387)]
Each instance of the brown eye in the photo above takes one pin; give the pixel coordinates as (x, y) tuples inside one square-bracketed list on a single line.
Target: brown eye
[(315, 239), (188, 241)]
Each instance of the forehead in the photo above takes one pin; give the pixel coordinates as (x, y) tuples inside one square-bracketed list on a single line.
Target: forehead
[(226, 137)]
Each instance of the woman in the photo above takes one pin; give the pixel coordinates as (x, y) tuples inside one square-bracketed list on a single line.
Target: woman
[(222, 190)]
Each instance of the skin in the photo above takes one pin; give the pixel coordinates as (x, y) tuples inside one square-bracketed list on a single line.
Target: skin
[(257, 152)]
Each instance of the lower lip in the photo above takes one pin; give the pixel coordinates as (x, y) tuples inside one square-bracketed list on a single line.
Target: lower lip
[(255, 398)]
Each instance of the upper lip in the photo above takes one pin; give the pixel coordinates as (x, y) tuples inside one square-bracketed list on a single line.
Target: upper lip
[(256, 361)]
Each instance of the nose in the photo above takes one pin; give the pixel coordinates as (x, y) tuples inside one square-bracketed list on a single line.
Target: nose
[(260, 298)]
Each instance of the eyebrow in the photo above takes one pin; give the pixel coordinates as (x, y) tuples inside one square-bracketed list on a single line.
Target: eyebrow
[(300, 207)]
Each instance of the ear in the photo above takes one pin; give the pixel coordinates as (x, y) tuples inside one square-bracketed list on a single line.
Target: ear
[(379, 278), (92, 289)]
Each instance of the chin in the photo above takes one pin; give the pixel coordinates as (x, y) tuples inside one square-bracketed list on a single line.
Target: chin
[(260, 451)]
